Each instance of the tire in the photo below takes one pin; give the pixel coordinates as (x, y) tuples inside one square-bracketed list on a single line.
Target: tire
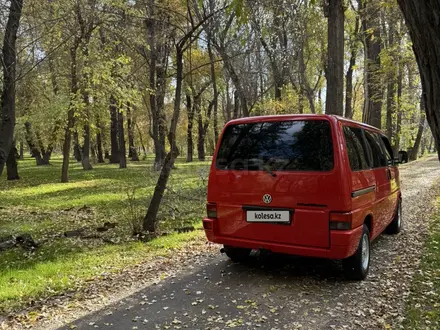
[(237, 254), (396, 225), (357, 266)]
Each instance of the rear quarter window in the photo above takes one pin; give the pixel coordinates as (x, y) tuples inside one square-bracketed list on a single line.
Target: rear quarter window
[(277, 146), (356, 149), (377, 153)]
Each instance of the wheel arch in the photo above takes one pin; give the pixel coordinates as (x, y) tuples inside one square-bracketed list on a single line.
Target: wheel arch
[(369, 222)]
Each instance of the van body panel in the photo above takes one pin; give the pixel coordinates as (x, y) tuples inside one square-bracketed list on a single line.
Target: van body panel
[(307, 194), (344, 243), (311, 196)]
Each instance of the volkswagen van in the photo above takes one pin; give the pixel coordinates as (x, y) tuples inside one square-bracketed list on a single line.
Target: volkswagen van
[(307, 185)]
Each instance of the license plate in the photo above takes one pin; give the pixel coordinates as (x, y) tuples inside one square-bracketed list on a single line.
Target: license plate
[(268, 216)]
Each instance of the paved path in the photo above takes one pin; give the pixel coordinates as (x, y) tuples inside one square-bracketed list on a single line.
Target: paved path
[(288, 292)]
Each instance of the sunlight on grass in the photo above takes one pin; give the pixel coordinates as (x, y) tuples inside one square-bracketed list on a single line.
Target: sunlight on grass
[(50, 272), (54, 188), (40, 205)]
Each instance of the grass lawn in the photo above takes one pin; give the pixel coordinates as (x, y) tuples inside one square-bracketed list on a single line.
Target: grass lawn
[(423, 307), (40, 205)]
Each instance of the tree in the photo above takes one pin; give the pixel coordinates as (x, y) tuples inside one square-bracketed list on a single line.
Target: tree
[(9, 61), (114, 143), (416, 147), (370, 10), (71, 112), (132, 152), (421, 18), (121, 140), (354, 49), (158, 54), (181, 46), (335, 63)]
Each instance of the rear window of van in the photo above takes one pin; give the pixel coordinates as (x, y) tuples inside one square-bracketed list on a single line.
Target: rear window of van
[(277, 146)]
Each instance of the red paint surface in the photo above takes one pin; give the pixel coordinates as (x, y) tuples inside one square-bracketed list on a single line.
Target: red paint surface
[(311, 196)]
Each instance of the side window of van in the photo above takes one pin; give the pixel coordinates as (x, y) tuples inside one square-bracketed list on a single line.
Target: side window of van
[(378, 157), (388, 150), (357, 153)]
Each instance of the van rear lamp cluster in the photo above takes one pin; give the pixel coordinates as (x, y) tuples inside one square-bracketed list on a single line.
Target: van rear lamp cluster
[(211, 210), (340, 221), (207, 225)]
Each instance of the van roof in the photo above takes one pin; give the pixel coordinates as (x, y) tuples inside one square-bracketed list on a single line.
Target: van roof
[(257, 119)]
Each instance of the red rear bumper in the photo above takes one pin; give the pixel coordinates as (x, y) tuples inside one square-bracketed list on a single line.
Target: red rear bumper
[(343, 244)]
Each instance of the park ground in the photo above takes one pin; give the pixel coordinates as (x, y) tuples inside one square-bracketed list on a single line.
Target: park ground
[(109, 278), (41, 206)]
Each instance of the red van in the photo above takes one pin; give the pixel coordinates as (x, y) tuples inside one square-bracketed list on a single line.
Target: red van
[(309, 185)]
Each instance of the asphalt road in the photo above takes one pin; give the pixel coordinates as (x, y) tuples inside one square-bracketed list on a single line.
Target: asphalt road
[(280, 292)]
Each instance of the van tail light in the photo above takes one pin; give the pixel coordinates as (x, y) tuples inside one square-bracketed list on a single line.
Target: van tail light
[(211, 210), (340, 221)]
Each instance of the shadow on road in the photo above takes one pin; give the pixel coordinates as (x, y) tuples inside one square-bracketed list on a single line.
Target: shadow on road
[(220, 291)]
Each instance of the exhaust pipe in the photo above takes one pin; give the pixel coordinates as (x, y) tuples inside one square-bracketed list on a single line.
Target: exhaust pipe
[(222, 250)]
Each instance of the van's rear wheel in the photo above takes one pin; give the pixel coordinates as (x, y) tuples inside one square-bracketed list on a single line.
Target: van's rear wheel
[(396, 225), (237, 254), (356, 267)]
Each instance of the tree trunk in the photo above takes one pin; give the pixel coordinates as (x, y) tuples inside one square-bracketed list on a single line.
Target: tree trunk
[(391, 73), (53, 138), (189, 135), (310, 98), (415, 150), (239, 89), (229, 105), (300, 101), (349, 87), (150, 220), (9, 61), (11, 164), (121, 139), (350, 70), (77, 152), (21, 150), (155, 97), (99, 149), (335, 64), (214, 90), (141, 139), (86, 149), (399, 109), (201, 137), (236, 105), (40, 142), (423, 147), (132, 152), (71, 113), (35, 152), (422, 21), (47, 154), (203, 130), (391, 94), (373, 47), (114, 157), (66, 145)]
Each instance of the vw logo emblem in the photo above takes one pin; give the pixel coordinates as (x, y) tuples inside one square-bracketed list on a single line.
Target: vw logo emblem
[(267, 199)]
